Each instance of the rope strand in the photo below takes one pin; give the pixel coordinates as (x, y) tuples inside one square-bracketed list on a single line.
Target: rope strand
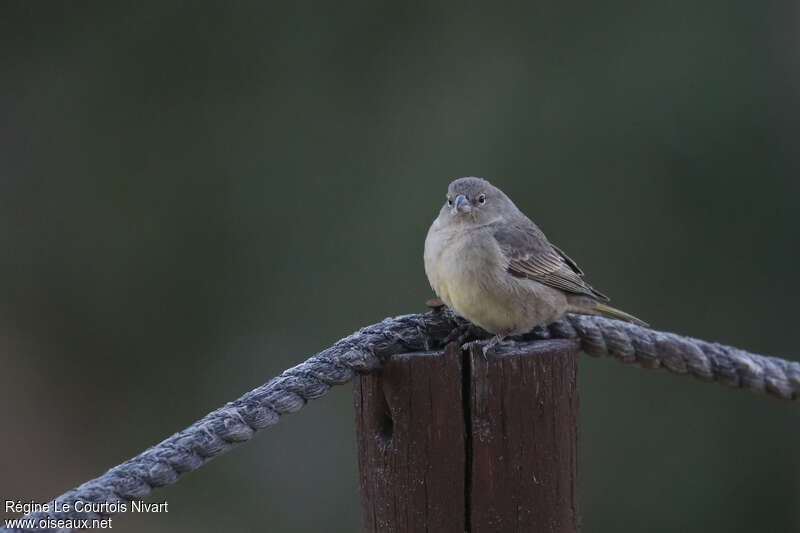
[(365, 350)]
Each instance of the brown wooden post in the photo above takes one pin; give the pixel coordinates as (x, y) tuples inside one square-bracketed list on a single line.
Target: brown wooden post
[(452, 441)]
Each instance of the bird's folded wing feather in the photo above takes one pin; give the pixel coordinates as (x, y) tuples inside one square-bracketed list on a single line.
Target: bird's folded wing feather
[(530, 255)]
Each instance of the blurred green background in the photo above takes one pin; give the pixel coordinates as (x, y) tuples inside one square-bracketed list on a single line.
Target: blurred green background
[(194, 197)]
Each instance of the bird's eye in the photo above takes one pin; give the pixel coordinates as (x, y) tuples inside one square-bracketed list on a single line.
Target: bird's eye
[(449, 201), (482, 199)]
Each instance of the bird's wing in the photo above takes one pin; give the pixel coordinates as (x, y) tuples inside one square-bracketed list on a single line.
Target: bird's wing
[(530, 255)]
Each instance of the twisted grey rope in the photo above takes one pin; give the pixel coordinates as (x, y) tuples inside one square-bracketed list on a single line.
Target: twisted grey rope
[(709, 361), (365, 350)]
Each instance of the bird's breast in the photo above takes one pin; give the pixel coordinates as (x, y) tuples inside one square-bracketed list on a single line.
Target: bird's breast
[(462, 267), (467, 270)]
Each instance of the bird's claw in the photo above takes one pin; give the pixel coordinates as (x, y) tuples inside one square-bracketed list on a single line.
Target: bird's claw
[(485, 350), (487, 345), (461, 334)]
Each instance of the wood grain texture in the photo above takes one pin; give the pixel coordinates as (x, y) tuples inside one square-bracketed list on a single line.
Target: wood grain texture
[(524, 413), (411, 444), (454, 441)]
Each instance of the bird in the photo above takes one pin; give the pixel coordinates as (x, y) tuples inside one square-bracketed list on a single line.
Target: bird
[(491, 264)]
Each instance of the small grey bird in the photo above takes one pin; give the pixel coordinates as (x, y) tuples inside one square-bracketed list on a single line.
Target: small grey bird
[(492, 265)]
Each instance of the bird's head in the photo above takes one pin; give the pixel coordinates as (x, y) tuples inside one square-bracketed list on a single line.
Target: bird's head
[(474, 201)]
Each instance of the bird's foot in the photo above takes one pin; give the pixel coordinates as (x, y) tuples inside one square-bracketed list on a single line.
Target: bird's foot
[(464, 333), (487, 345), (435, 305)]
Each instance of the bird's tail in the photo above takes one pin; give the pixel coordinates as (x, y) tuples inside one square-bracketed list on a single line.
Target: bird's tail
[(586, 306), (611, 312)]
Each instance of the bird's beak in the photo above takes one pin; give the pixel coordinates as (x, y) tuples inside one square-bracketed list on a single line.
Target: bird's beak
[(461, 205)]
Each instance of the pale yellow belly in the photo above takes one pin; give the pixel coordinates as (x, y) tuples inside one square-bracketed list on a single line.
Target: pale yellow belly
[(481, 307), (475, 285), (507, 310)]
